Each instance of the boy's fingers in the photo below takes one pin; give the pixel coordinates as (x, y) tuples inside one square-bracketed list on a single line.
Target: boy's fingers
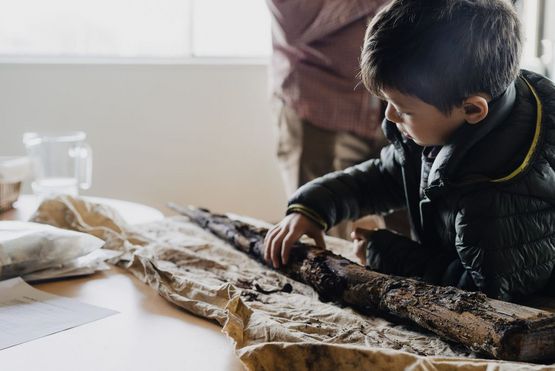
[(276, 249), (319, 240), (358, 233), (275, 229), (361, 233), (359, 248), (267, 243), (276, 253), (270, 236), (286, 246)]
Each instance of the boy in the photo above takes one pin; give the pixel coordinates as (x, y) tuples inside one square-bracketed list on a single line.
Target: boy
[(472, 155)]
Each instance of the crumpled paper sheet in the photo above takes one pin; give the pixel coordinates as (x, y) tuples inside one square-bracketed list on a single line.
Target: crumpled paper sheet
[(279, 331)]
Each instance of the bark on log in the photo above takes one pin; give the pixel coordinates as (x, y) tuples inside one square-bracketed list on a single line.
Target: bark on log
[(499, 329)]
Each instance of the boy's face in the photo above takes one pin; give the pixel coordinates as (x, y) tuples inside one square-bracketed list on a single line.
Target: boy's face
[(420, 121)]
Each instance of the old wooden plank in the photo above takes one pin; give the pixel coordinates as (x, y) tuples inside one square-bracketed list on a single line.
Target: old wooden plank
[(499, 329)]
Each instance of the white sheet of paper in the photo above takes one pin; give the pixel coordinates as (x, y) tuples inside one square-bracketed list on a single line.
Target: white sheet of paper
[(27, 313)]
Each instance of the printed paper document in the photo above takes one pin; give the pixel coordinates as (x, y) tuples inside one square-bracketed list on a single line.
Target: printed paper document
[(27, 313)]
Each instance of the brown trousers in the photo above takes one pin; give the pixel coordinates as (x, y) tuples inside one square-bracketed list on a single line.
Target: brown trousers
[(306, 152)]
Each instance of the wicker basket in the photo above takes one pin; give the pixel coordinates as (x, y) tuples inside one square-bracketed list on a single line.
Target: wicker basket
[(9, 192)]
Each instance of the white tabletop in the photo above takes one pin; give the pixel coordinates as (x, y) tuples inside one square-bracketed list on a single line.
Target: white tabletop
[(132, 213), (149, 333)]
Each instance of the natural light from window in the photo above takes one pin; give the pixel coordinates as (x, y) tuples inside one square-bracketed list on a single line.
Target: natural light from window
[(134, 28)]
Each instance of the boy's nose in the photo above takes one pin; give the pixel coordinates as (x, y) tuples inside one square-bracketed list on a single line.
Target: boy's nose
[(391, 114)]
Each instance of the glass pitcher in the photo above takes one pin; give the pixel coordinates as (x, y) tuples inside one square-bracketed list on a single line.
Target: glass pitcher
[(62, 162)]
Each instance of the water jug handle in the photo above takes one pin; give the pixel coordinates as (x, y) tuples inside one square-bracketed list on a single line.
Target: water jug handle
[(84, 161)]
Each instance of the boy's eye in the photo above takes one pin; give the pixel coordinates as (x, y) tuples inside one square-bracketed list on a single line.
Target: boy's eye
[(398, 112)]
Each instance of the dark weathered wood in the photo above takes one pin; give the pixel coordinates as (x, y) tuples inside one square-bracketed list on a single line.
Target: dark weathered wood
[(499, 329)]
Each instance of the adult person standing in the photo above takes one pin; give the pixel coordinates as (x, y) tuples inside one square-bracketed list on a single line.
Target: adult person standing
[(326, 120)]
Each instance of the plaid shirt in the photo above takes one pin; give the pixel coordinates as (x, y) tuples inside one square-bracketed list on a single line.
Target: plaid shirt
[(315, 63)]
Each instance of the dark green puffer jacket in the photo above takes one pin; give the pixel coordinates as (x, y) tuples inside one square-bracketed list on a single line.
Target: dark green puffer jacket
[(487, 220)]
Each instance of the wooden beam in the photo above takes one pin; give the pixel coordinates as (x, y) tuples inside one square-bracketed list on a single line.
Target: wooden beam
[(498, 329)]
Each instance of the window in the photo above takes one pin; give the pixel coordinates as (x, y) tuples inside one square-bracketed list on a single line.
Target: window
[(529, 16), (134, 28), (240, 28), (536, 17)]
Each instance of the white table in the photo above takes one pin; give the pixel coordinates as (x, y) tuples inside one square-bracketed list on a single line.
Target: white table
[(131, 212), (149, 333)]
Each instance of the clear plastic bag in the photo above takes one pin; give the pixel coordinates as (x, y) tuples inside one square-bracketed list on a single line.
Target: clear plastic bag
[(28, 247)]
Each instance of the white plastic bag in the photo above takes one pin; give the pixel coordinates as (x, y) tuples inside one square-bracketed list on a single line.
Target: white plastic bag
[(28, 247), (82, 266)]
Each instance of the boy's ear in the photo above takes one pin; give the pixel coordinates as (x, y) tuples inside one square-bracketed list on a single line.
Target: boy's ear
[(475, 109)]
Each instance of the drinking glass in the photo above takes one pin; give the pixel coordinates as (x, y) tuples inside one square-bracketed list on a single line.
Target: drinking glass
[(61, 162)]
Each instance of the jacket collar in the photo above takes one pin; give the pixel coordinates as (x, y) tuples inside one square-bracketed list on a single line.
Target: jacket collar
[(452, 154)]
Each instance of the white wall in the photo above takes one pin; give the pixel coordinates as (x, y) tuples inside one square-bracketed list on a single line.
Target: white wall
[(196, 134)]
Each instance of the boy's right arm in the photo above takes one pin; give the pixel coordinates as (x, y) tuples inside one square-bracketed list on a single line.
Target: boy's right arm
[(280, 239), (369, 188), (373, 187)]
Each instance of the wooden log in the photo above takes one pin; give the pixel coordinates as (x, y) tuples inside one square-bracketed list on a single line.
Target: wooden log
[(498, 329)]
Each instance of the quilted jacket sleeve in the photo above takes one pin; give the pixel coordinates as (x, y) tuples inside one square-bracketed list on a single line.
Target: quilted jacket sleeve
[(391, 253), (506, 243), (373, 187)]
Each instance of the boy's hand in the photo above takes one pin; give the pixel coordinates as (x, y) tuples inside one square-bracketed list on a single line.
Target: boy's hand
[(280, 239), (360, 238)]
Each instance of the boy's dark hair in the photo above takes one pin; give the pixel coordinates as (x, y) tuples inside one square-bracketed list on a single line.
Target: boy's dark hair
[(442, 51)]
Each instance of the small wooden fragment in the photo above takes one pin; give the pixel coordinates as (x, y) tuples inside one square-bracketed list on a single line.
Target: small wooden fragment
[(499, 329)]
